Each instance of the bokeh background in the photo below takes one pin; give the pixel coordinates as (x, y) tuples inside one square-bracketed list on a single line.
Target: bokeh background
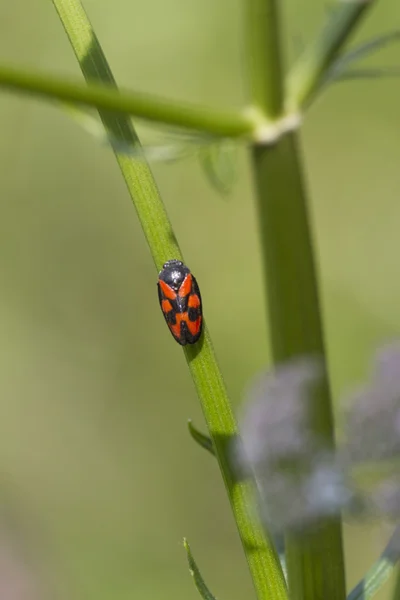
[(98, 475)]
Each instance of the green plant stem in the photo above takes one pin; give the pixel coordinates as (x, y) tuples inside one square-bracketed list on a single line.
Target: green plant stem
[(263, 563), (307, 74), (261, 555), (225, 122), (315, 564), (264, 56)]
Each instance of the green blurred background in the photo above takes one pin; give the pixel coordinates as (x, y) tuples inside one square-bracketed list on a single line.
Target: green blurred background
[(96, 464)]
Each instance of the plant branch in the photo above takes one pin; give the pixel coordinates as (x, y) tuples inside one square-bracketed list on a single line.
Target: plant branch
[(225, 123)]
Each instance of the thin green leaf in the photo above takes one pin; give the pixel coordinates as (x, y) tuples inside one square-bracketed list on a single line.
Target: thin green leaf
[(89, 122), (203, 440), (341, 64), (195, 573), (378, 73), (279, 541), (308, 73), (367, 48), (170, 148), (218, 162), (380, 572), (168, 151), (217, 159), (157, 153)]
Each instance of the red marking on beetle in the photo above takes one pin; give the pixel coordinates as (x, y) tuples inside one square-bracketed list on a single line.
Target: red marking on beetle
[(167, 290), (186, 286), (166, 306), (194, 301)]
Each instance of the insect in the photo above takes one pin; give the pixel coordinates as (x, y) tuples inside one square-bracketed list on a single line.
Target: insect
[(180, 302)]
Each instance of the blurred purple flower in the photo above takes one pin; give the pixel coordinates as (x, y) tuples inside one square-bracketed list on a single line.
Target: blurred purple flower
[(373, 421), (19, 579), (297, 502), (299, 482), (274, 425), (385, 498)]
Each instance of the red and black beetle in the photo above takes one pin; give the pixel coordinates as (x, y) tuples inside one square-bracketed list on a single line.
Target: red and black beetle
[(180, 302)]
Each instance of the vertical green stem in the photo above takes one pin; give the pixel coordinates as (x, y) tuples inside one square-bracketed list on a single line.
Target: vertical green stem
[(285, 234), (264, 56), (315, 565)]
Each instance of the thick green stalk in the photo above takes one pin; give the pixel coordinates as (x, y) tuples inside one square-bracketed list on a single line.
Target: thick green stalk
[(264, 56), (315, 565), (225, 123), (307, 74), (264, 566)]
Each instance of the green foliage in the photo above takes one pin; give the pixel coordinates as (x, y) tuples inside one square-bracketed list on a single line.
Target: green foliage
[(308, 73), (195, 573), (342, 67), (380, 572), (218, 162), (203, 440)]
